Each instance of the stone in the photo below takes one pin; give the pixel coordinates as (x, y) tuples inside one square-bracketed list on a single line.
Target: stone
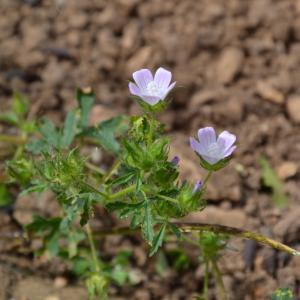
[(288, 227), (216, 215), (293, 108), (229, 64), (286, 170), (101, 113), (266, 91), (189, 166), (139, 59)]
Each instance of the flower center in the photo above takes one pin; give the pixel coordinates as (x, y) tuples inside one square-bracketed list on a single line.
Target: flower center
[(153, 89), (214, 150)]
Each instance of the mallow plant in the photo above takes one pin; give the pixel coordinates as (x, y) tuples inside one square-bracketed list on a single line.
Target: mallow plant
[(141, 185)]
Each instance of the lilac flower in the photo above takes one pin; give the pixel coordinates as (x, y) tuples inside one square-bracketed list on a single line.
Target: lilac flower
[(211, 148), (175, 160), (149, 89), (197, 187)]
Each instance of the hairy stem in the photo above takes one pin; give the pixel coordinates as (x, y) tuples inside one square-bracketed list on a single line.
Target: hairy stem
[(189, 227), (122, 193), (112, 170), (92, 247), (12, 139), (94, 189), (206, 277), (94, 168), (219, 280), (207, 177)]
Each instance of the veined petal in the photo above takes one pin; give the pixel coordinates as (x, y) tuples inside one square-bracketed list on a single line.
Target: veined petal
[(142, 78), (210, 159), (196, 146), (152, 100), (169, 89), (134, 90), (226, 140), (229, 151), (162, 78), (207, 136)]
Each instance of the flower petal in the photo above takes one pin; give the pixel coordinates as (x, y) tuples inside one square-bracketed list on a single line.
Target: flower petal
[(226, 140), (211, 159), (163, 78), (196, 146), (229, 151), (134, 90), (207, 136), (152, 100), (142, 78), (169, 89)]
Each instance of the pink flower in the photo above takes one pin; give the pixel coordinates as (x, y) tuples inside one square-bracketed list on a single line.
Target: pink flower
[(149, 89), (211, 148)]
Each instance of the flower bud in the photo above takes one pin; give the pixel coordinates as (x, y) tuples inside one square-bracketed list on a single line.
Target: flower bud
[(197, 187), (175, 160)]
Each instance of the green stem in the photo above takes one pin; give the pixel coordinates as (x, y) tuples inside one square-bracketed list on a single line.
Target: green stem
[(219, 281), (114, 196), (95, 168), (207, 178), (112, 170), (174, 201), (7, 151), (93, 248), (206, 276), (189, 227), (94, 189), (122, 193), (12, 139)]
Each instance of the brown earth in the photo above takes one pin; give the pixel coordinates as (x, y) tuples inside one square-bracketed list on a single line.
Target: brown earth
[(237, 64)]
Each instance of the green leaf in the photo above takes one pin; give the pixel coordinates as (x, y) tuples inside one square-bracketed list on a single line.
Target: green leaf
[(19, 105), (123, 179), (272, 181), (117, 205), (49, 132), (69, 130), (86, 101), (10, 118), (148, 224), (5, 197), (86, 210), (178, 259), (122, 258), (283, 294), (139, 183), (106, 133), (52, 242), (97, 286), (40, 224), (36, 187), (158, 240), (28, 126), (211, 244), (80, 265), (175, 230), (74, 238), (119, 275), (161, 263), (20, 170), (49, 229), (37, 146)]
